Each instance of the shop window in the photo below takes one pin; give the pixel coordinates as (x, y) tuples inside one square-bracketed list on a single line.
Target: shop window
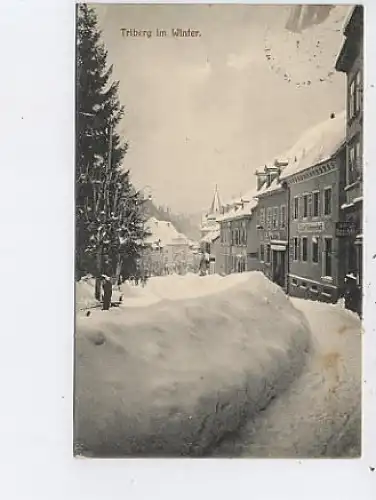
[(316, 204), (328, 201), (304, 249), (315, 250)]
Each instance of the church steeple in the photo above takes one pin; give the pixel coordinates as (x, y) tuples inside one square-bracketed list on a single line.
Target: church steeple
[(216, 206)]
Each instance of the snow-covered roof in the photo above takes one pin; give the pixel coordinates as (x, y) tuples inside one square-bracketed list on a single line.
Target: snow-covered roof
[(210, 237), (316, 145), (274, 185), (164, 233), (238, 212)]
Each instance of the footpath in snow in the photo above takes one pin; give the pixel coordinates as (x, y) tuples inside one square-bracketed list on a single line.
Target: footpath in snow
[(320, 413), (182, 362)]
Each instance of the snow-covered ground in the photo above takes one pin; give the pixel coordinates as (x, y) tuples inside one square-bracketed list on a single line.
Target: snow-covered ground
[(187, 360), (320, 414), (182, 362)]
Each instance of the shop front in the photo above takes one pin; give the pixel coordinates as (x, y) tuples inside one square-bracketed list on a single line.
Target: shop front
[(279, 258)]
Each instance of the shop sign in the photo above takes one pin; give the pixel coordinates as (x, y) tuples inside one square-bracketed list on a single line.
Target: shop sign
[(344, 229), (272, 235), (311, 227)]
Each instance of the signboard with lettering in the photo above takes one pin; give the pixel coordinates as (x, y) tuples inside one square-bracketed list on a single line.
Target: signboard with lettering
[(272, 235), (344, 229), (311, 227)]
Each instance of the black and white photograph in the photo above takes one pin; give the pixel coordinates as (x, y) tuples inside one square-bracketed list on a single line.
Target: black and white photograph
[(218, 231)]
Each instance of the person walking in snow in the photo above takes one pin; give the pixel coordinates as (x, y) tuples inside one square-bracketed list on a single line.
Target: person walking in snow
[(107, 293)]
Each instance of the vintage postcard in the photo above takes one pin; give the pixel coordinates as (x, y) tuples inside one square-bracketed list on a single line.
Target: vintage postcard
[(219, 240)]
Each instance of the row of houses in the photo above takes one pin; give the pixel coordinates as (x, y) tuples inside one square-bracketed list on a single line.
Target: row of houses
[(167, 251), (302, 224)]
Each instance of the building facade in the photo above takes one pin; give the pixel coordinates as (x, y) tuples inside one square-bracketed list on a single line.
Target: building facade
[(167, 251), (350, 62), (316, 268), (238, 236), (272, 229)]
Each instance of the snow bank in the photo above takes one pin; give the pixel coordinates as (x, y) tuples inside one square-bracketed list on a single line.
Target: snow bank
[(177, 287), (85, 293), (85, 298), (172, 378)]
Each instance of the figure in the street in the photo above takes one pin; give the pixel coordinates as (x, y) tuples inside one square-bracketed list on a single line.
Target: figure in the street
[(204, 262), (353, 294), (107, 292)]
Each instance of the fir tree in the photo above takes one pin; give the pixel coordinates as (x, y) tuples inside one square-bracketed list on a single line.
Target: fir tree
[(109, 212)]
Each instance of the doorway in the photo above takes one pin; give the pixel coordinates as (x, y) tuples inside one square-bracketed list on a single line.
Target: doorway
[(279, 267)]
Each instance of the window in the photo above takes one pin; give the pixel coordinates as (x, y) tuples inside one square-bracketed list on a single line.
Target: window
[(316, 204), (354, 166), (315, 250), (304, 249), (262, 216), (352, 96), (275, 217), (294, 282), (328, 201), (296, 249), (305, 206), (267, 257), (283, 216), (262, 253), (358, 92), (327, 261), (296, 208), (269, 215)]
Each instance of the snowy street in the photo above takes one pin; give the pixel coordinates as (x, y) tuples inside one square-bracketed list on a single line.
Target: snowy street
[(320, 414), (200, 367)]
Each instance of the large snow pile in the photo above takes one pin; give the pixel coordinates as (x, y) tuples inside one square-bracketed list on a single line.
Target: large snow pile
[(172, 378), (178, 287)]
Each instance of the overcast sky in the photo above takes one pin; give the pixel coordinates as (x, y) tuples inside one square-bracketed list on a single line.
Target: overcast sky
[(211, 110)]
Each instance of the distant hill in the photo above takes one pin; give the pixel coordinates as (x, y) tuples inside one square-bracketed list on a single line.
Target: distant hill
[(188, 224)]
